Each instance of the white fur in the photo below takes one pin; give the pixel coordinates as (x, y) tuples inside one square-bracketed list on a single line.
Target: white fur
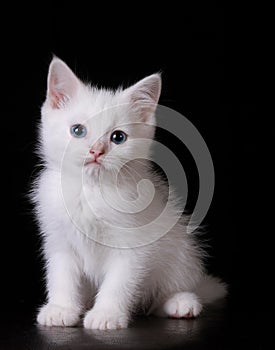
[(162, 275)]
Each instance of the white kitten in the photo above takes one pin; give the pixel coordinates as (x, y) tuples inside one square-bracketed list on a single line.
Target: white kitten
[(104, 226)]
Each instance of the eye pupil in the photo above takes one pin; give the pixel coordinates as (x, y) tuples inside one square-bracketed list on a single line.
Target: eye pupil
[(118, 137), (78, 130)]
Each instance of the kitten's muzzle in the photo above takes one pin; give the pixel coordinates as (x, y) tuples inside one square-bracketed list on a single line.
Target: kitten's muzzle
[(97, 152)]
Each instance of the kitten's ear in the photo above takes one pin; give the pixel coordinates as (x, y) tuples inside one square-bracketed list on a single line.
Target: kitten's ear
[(144, 95), (62, 84)]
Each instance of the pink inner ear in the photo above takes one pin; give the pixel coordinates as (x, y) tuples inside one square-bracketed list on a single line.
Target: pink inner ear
[(144, 96), (57, 98), (143, 102)]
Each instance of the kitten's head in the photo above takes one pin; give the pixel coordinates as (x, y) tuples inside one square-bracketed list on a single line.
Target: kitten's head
[(91, 128)]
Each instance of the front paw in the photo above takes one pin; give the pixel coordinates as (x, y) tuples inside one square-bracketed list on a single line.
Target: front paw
[(54, 315), (105, 319), (182, 305)]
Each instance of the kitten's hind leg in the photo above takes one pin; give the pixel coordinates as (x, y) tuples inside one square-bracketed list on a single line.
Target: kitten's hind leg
[(179, 305)]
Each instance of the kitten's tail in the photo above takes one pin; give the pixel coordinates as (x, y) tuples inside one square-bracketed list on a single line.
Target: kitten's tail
[(210, 289)]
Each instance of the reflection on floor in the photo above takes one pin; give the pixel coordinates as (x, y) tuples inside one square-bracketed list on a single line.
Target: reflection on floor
[(218, 327)]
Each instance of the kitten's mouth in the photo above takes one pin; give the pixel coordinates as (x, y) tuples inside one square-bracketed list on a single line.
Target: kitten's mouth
[(92, 161)]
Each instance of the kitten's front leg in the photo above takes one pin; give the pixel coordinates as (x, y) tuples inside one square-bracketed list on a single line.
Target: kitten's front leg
[(115, 299), (63, 307)]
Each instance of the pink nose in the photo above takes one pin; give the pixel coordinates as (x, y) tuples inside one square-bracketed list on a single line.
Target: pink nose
[(97, 152)]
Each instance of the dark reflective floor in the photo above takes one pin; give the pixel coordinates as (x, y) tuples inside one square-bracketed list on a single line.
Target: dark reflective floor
[(218, 327)]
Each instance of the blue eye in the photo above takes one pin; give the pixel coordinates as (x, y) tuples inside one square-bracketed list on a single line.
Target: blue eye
[(118, 137), (78, 130)]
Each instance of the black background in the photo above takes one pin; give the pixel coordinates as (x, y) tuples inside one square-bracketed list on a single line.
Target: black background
[(211, 67)]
